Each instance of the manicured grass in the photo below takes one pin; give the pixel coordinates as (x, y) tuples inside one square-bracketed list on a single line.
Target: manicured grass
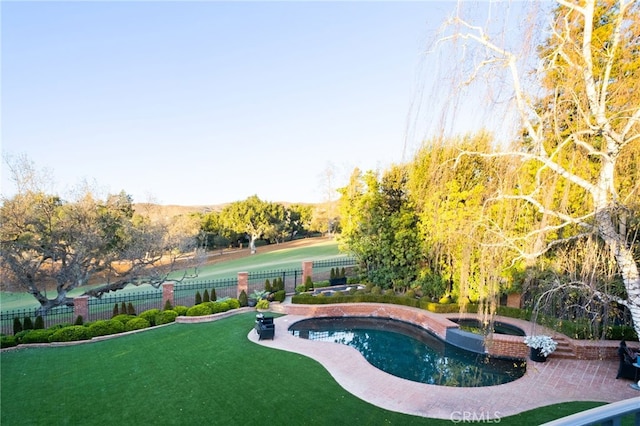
[(191, 374)]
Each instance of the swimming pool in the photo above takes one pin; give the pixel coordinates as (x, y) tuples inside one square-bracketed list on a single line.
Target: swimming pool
[(410, 352)]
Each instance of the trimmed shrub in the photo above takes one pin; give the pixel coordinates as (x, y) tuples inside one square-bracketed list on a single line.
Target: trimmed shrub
[(262, 304), (389, 292), (267, 286), (165, 317), (308, 284), (205, 296), (376, 290), (105, 327), (17, 326), (233, 303), (243, 299), (39, 324), (123, 318), (150, 315), (136, 323), (332, 274), (116, 311), (300, 289), (71, 333), (123, 308), (343, 272), (199, 310), (279, 296), (8, 341), (27, 324), (79, 320), (214, 296), (198, 299), (410, 294), (181, 310), (36, 336), (167, 306), (130, 309)]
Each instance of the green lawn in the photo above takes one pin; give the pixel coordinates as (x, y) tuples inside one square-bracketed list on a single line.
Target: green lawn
[(191, 374)]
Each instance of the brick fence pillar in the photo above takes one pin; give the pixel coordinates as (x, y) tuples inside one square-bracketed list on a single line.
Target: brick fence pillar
[(243, 282), (307, 270), (81, 307), (167, 293), (513, 300)]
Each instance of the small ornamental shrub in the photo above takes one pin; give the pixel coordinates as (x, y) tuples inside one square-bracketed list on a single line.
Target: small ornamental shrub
[(332, 274), (136, 323), (279, 296), (233, 303), (123, 308), (199, 310), (262, 304), (150, 315), (17, 325), (27, 324), (130, 309), (410, 294), (243, 299), (105, 327), (198, 299), (79, 320), (267, 286), (71, 333), (167, 306), (389, 292), (376, 290), (342, 272), (300, 289), (214, 296), (116, 311), (205, 296), (39, 324), (181, 310), (8, 341), (165, 317), (123, 318), (36, 336), (308, 284)]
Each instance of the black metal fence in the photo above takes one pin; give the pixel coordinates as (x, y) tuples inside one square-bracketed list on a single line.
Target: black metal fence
[(290, 277), (58, 315), (184, 294)]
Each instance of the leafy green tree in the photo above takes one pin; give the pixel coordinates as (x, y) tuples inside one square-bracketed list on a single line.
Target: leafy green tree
[(253, 217), (573, 157)]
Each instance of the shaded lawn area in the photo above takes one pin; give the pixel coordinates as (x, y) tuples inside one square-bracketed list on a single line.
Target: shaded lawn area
[(206, 373)]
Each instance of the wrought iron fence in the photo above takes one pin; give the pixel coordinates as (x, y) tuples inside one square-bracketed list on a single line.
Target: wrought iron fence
[(290, 277), (322, 268), (58, 315), (185, 293), (132, 303)]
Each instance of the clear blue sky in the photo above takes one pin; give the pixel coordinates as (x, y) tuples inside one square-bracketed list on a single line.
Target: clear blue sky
[(199, 103)]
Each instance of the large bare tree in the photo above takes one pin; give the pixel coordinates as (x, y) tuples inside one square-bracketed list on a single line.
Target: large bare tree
[(579, 111), (49, 245)]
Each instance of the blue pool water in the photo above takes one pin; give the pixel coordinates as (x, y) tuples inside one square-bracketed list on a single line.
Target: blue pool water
[(410, 352)]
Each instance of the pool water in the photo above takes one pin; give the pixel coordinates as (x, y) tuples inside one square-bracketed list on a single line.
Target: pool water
[(410, 352)]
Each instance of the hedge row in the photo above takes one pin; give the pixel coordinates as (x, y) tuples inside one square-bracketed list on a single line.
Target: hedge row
[(118, 324)]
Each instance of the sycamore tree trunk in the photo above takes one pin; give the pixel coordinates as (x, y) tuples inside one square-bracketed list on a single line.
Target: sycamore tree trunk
[(626, 264)]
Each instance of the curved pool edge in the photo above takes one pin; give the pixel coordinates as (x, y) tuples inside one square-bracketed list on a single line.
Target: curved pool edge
[(542, 384)]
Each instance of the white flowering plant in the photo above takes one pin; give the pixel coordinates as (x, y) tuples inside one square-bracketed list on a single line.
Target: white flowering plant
[(545, 344)]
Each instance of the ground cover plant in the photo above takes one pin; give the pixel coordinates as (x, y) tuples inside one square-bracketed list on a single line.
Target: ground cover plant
[(207, 373)]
